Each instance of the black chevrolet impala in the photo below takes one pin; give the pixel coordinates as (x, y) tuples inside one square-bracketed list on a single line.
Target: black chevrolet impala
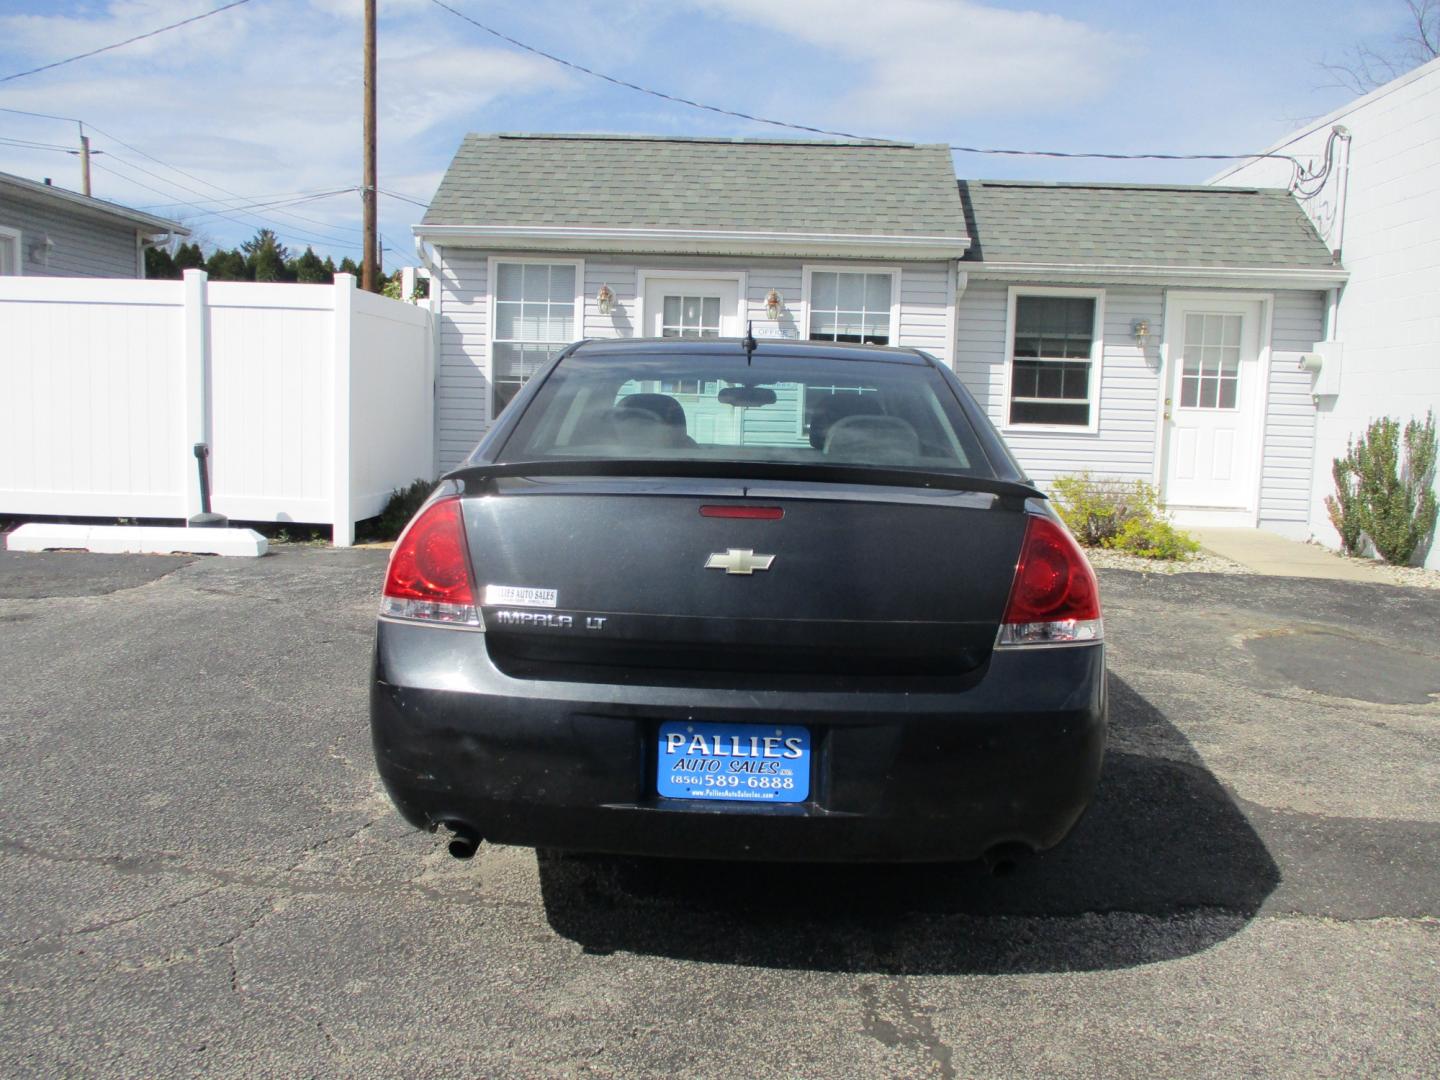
[(714, 598)]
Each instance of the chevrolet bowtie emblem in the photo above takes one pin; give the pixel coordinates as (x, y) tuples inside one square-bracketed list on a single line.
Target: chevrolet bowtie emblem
[(738, 561)]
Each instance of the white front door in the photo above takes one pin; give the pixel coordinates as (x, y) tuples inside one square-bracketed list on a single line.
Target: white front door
[(1212, 409), (691, 307)]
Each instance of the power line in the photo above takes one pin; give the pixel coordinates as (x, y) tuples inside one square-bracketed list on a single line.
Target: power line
[(207, 183), (826, 131), (272, 205), (403, 198), (120, 44), (221, 203), (182, 172), (182, 202), (281, 230), (645, 89), (28, 144), (42, 115)]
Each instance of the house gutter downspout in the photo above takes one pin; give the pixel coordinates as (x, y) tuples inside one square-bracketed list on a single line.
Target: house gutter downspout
[(432, 268), (426, 260), (1332, 315)]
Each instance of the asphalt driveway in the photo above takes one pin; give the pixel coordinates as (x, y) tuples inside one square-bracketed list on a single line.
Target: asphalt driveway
[(200, 875)]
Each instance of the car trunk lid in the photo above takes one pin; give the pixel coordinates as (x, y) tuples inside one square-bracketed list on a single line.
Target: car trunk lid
[(633, 574)]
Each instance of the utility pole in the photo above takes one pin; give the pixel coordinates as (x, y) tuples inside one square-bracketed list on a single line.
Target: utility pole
[(84, 161), (368, 276)]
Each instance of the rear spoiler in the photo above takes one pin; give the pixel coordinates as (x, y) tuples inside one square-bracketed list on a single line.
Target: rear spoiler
[(478, 479)]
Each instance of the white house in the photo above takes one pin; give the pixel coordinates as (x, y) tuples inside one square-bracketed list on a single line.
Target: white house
[(1378, 207), (46, 231), (1144, 331)]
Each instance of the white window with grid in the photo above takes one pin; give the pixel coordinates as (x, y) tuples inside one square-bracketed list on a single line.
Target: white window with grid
[(9, 253), (1053, 358), (855, 307), (1210, 375), (534, 318)]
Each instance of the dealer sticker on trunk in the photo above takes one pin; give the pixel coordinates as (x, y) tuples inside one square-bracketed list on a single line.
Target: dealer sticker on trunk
[(515, 596), (745, 762)]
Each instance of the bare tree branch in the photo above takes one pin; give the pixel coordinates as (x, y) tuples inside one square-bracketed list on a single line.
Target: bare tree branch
[(1362, 68)]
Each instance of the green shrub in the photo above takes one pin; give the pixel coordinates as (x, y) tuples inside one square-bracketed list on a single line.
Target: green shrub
[(1344, 506), (1096, 510), (1154, 538), (1123, 515), (1382, 495), (401, 508)]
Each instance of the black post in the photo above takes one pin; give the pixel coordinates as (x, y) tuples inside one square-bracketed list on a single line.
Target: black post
[(205, 519)]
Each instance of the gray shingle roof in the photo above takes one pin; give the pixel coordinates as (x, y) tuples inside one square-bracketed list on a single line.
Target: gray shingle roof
[(647, 182), (1120, 224)]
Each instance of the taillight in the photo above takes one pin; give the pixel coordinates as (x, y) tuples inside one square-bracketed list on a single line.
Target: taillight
[(1054, 599), (429, 574)]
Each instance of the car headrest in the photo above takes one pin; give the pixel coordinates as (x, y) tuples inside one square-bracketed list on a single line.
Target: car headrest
[(833, 407), (873, 440), (664, 406)]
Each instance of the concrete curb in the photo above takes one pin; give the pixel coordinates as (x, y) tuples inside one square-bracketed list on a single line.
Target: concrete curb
[(136, 539)]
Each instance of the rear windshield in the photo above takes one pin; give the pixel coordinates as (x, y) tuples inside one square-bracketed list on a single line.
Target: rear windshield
[(779, 409)]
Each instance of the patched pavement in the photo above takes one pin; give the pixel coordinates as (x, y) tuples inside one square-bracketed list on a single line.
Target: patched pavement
[(200, 875)]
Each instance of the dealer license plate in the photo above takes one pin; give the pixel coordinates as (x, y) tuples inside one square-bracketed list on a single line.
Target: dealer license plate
[(741, 762)]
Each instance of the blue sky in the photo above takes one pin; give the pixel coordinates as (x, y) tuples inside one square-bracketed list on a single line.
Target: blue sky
[(262, 103)]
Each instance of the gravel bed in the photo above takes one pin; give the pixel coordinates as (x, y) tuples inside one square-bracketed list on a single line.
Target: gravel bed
[(1416, 577), (1202, 562)]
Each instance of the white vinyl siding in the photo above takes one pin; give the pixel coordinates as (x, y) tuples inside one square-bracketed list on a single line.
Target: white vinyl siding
[(1288, 457), (464, 371), (1125, 442), (80, 246), (462, 378)]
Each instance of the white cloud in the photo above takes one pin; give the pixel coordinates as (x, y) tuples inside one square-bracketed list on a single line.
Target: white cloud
[(55, 36), (259, 100), (920, 60)]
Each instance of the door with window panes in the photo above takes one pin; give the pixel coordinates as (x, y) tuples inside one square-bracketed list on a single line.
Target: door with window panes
[(1212, 403), (692, 307)]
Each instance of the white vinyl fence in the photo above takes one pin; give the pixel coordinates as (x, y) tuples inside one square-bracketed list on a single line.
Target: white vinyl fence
[(316, 400)]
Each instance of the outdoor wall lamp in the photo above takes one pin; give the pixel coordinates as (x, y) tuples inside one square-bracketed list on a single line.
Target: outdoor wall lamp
[(1141, 329), (605, 300), (40, 250), (774, 304)]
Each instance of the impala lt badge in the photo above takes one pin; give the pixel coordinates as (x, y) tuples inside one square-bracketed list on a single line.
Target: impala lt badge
[(738, 561)]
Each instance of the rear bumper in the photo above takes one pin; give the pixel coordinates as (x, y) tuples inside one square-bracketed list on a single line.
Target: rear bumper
[(897, 776)]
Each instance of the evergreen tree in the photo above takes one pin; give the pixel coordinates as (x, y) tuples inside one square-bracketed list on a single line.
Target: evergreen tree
[(160, 264), (266, 256), (189, 257), (309, 270), (228, 266), (349, 266)]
